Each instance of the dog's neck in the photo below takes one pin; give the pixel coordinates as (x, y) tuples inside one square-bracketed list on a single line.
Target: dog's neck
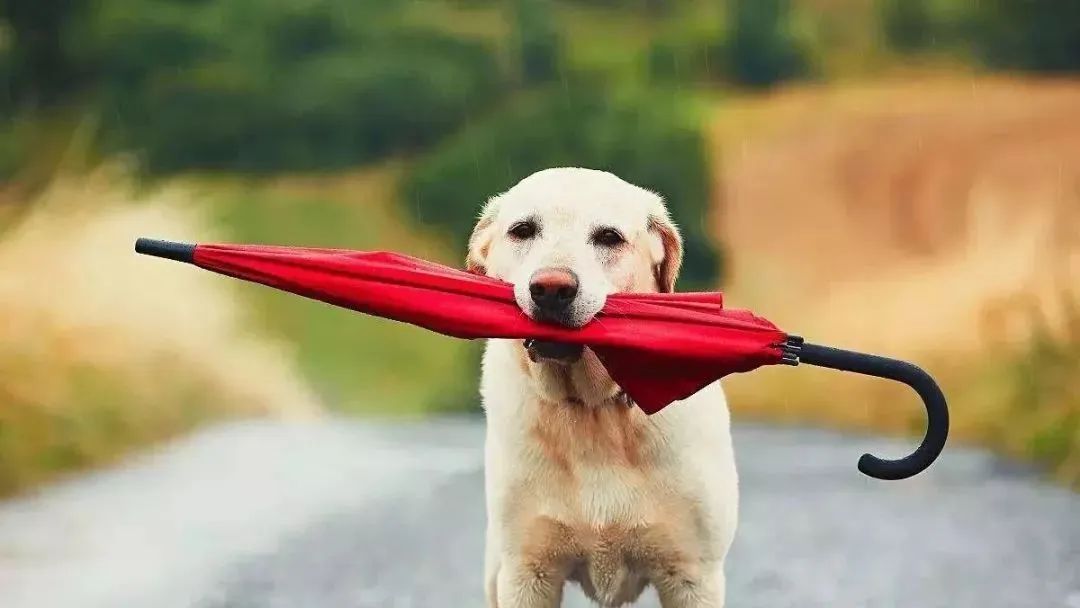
[(583, 383)]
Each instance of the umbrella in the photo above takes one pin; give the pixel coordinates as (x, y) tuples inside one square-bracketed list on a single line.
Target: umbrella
[(659, 348)]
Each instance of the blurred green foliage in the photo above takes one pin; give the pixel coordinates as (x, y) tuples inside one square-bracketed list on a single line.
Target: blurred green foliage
[(41, 62), (761, 50), (1041, 36), (907, 24), (654, 6), (682, 55), (752, 44), (1032, 35), (647, 138), (11, 149), (271, 85), (536, 38), (264, 86)]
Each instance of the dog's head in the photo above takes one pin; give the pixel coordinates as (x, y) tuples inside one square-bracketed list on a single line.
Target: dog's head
[(567, 237)]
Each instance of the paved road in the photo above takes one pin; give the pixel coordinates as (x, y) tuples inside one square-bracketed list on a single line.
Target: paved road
[(343, 514)]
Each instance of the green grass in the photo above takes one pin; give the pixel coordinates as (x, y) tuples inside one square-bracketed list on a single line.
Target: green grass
[(1038, 416), (357, 363)]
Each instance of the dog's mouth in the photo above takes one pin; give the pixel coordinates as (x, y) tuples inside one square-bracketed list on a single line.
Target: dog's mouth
[(562, 318), (560, 352)]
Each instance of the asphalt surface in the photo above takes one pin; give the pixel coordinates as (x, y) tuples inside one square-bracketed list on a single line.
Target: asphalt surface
[(346, 514)]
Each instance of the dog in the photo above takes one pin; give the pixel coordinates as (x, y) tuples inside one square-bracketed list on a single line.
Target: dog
[(581, 485)]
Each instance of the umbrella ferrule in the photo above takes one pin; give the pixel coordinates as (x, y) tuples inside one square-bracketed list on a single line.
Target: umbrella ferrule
[(170, 250)]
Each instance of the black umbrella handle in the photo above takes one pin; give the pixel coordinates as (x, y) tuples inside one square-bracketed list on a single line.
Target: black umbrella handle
[(937, 412)]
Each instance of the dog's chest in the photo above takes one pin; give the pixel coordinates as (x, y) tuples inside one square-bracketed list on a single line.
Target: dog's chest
[(610, 513), (591, 469), (601, 496)]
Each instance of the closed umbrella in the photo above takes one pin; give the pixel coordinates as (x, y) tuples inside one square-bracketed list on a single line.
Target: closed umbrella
[(659, 348)]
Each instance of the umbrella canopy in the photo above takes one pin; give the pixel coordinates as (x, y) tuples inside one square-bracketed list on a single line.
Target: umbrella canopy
[(659, 348)]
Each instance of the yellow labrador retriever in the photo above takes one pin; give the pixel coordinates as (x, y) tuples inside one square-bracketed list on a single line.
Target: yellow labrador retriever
[(581, 485)]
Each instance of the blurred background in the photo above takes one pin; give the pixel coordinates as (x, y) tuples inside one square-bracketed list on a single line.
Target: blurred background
[(894, 176)]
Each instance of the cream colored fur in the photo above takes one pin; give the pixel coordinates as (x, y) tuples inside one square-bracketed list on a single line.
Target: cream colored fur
[(580, 486)]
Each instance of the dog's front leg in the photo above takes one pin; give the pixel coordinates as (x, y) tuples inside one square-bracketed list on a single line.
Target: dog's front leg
[(700, 588), (491, 570), (529, 585)]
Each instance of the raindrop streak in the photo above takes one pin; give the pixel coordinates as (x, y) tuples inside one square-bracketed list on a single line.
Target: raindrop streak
[(678, 76), (565, 82), (474, 148)]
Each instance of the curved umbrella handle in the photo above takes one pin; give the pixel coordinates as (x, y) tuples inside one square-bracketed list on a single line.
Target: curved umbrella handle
[(937, 412)]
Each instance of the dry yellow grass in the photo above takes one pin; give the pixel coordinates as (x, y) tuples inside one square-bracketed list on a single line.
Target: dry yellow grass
[(101, 349), (937, 220)]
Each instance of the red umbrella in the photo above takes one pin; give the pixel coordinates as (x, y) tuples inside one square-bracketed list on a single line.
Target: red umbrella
[(659, 348)]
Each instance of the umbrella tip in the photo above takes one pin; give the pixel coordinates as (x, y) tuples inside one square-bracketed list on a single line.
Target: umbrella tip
[(181, 252)]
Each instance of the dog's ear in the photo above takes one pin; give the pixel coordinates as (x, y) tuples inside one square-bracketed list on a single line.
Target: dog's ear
[(480, 240), (668, 251)]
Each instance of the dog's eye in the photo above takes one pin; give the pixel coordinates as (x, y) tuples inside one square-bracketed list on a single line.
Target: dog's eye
[(523, 230), (608, 237)]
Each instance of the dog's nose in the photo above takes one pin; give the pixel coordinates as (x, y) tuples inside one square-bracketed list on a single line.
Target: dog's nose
[(553, 289)]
